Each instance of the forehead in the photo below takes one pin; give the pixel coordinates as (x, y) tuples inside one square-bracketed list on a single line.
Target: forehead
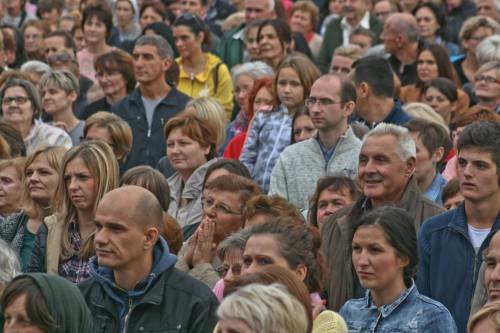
[(261, 4), (372, 234), (55, 41), (326, 87), (146, 49), (16, 91), (225, 196), (476, 154), (341, 60), (330, 193), (379, 144), (382, 5)]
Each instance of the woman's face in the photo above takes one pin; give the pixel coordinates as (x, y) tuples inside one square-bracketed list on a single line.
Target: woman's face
[(289, 88), (185, 154), (427, 23), (112, 83), (252, 43), (377, 264), (487, 85), (10, 191), (79, 39), (262, 99), (301, 22), (303, 128), (476, 37), (41, 180), (16, 107), (80, 184), (270, 47), (17, 319), (233, 262), (51, 16), (186, 41), (427, 68), (149, 16), (242, 86), (124, 13), (33, 39), (94, 31), (439, 102), (262, 250)]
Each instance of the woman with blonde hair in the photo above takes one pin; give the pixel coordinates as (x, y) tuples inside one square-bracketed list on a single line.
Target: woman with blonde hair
[(11, 171), (40, 180), (486, 320), (64, 242)]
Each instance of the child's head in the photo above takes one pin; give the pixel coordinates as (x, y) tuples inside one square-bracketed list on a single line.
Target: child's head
[(294, 78), (332, 193), (302, 126), (451, 195)]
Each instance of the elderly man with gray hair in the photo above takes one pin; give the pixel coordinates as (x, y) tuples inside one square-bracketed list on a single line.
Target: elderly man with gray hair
[(149, 106), (386, 167)]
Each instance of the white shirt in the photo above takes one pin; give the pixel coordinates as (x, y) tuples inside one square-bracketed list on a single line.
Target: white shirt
[(347, 29), (477, 236)]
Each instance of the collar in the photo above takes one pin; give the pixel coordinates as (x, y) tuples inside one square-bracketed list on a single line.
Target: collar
[(240, 34), (387, 309), (173, 98), (432, 192), (365, 22)]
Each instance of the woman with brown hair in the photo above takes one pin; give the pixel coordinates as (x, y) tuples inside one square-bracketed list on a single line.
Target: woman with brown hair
[(34, 32)]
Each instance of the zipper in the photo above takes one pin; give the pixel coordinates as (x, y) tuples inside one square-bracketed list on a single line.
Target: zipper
[(127, 316), (149, 131)]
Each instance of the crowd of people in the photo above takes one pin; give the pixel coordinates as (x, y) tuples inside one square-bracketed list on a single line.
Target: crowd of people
[(249, 166)]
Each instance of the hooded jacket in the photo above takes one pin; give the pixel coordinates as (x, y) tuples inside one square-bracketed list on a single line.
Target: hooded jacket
[(165, 301)]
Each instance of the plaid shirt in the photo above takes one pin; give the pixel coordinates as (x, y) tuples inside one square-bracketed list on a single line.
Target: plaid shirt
[(74, 269)]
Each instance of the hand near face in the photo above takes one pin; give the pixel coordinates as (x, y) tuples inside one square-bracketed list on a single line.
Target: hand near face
[(205, 248)]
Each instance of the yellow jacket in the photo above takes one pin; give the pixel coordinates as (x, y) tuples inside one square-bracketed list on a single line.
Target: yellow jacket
[(203, 85)]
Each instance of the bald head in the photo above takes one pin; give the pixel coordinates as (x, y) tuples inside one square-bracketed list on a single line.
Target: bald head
[(403, 24), (139, 204)]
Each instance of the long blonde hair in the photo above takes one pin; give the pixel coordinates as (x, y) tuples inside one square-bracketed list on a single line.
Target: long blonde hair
[(103, 166)]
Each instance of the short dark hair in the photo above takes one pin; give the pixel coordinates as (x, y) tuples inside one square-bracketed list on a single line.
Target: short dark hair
[(69, 42), (399, 230), (439, 13), (432, 134), (150, 179), (195, 25), (102, 13), (232, 166), (364, 32), (445, 86), (377, 73), (117, 61), (484, 135), (451, 189)]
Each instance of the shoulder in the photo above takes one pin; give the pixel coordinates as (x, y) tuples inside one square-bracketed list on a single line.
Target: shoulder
[(300, 148), (352, 305), (187, 286), (437, 223)]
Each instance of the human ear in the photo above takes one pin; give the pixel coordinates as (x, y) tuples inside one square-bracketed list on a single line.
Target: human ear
[(150, 238), (301, 272), (410, 166), (438, 155)]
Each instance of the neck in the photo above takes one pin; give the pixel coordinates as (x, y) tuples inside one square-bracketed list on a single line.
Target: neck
[(293, 109), (378, 109), (23, 128), (128, 278), (470, 61), (408, 54), (194, 59), (274, 62), (125, 27), (388, 295), (97, 48), (424, 184), (67, 117), (354, 21), (155, 89), (489, 103), (483, 214), (330, 136), (394, 199), (85, 222), (116, 96)]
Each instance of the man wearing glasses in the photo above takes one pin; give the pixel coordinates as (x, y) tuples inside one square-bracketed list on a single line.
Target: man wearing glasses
[(334, 150), (223, 200)]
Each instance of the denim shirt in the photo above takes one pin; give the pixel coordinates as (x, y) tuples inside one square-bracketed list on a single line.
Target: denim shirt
[(435, 190), (411, 312)]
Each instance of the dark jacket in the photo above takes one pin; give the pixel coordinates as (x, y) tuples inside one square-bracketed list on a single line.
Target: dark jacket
[(94, 107), (333, 38), (397, 116), (230, 49), (448, 265), (148, 144), (166, 301), (457, 17), (337, 233), (409, 73)]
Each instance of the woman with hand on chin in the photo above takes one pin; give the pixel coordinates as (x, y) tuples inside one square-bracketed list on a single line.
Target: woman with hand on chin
[(384, 255)]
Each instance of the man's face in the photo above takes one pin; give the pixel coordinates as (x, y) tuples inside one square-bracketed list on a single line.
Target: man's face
[(223, 208), (364, 42), (55, 44), (341, 65), (327, 112), (258, 10), (477, 174), (382, 10), (390, 38), (492, 271), (119, 240), (381, 172), (194, 7), (354, 9), (148, 66), (486, 8)]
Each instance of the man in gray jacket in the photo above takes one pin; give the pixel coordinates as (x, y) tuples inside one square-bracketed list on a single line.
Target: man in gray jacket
[(334, 150)]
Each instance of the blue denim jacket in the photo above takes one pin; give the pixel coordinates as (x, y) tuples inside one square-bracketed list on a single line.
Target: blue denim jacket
[(411, 312)]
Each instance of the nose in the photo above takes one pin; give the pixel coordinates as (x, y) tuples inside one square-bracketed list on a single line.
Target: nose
[(100, 237), (249, 270), (495, 274), (72, 186), (34, 177)]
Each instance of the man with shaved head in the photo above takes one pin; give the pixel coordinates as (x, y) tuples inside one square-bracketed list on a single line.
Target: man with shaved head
[(401, 41), (134, 285)]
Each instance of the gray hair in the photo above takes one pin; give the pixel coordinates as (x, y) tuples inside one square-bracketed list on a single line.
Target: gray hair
[(162, 46), (488, 49), (59, 79), (30, 90), (9, 264), (406, 145), (489, 66), (35, 66), (255, 69), (235, 241), (265, 308)]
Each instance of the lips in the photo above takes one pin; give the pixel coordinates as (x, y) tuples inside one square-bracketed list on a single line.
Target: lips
[(364, 275)]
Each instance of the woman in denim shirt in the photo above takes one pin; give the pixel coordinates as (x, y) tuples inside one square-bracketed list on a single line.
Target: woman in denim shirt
[(384, 255)]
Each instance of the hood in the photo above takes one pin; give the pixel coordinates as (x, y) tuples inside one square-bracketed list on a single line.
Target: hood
[(65, 303)]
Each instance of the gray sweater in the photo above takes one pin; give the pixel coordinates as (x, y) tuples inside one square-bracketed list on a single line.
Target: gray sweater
[(301, 165)]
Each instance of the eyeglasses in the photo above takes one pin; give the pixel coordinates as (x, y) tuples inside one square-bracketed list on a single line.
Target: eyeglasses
[(309, 102), (208, 202), (487, 79), (19, 100)]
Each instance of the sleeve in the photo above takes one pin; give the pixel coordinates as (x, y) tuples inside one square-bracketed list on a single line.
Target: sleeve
[(181, 263), (278, 180), (423, 262), (225, 91), (325, 54), (37, 262), (203, 316), (251, 146), (205, 273), (64, 140), (440, 321)]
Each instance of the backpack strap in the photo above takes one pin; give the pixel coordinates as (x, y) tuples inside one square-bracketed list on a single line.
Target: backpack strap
[(215, 74)]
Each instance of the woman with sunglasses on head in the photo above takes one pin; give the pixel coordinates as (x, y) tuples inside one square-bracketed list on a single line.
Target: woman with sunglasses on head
[(21, 109), (202, 74)]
